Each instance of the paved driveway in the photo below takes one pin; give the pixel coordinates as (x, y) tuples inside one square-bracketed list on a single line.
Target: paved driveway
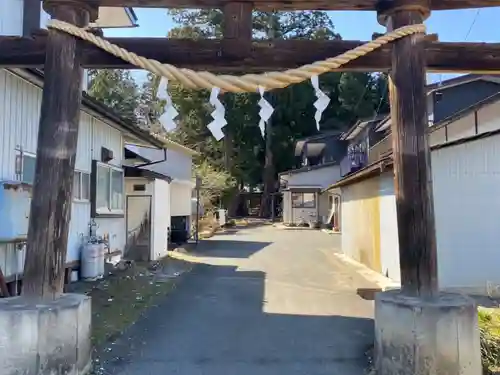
[(265, 301)]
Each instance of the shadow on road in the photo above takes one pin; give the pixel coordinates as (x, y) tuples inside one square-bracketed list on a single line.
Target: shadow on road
[(217, 322), (229, 248)]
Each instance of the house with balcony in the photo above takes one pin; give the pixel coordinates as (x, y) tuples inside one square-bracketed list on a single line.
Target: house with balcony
[(318, 166), (464, 136)]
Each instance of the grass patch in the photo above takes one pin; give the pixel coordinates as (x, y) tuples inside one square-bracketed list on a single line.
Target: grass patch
[(121, 298), (489, 328)]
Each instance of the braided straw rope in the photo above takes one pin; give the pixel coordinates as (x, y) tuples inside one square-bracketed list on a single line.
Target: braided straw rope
[(246, 83)]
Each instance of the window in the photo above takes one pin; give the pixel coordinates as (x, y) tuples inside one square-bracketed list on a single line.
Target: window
[(140, 187), (81, 186), (109, 198), (303, 200)]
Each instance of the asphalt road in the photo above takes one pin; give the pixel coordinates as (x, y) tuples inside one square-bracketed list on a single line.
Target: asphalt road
[(263, 301)]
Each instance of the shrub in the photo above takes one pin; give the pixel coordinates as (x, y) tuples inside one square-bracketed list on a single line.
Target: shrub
[(489, 328)]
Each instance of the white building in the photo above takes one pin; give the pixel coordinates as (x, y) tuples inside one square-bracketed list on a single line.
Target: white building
[(320, 158), (465, 155), (99, 176), (158, 192)]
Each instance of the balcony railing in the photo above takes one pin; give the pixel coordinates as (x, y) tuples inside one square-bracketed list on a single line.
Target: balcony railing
[(380, 149), (353, 162)]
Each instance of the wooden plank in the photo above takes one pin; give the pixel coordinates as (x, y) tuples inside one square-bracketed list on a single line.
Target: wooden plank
[(264, 55), (266, 5), (411, 155), (55, 162)]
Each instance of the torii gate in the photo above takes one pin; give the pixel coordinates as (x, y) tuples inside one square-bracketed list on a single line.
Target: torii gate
[(415, 327)]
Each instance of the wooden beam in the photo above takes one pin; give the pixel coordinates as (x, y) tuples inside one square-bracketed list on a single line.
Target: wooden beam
[(55, 157), (266, 5), (411, 155), (237, 33), (264, 55)]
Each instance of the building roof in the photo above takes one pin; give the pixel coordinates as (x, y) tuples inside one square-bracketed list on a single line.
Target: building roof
[(360, 125), (157, 160), (370, 170), (136, 134), (308, 168), (375, 168), (460, 80)]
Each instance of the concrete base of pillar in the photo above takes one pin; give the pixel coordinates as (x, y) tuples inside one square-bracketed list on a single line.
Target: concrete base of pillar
[(45, 337), (415, 336)]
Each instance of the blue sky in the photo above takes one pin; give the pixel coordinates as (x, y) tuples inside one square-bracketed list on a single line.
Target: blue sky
[(454, 26)]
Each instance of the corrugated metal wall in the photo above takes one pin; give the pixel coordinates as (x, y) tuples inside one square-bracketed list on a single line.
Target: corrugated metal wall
[(20, 103), (466, 181)]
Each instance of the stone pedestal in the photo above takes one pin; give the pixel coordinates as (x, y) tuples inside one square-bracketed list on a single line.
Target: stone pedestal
[(45, 337), (437, 336)]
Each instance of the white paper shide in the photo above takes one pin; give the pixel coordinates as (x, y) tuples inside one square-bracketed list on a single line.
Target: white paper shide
[(322, 101), (266, 110), (218, 114), (170, 113)]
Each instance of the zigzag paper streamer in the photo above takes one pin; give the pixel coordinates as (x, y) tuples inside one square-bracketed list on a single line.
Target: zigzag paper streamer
[(170, 113), (218, 114), (266, 110), (321, 103)]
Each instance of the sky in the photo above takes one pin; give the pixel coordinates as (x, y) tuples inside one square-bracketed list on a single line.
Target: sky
[(471, 25)]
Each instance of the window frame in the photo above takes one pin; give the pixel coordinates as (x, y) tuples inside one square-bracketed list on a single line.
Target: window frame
[(19, 166), (108, 212), (301, 204), (79, 198)]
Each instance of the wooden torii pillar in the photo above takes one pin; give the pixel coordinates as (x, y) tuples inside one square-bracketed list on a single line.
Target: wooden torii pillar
[(418, 329), (56, 153)]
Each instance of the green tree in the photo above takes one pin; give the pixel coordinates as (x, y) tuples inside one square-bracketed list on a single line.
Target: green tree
[(243, 151), (117, 89)]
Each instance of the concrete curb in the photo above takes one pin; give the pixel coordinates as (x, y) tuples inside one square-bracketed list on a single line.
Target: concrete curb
[(383, 283)]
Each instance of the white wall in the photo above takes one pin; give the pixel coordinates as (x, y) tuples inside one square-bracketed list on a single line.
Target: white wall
[(320, 177), (11, 17), (161, 223), (179, 165), (287, 207), (180, 198), (389, 242)]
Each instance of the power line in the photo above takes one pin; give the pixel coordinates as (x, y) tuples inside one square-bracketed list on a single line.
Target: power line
[(472, 24), (476, 16)]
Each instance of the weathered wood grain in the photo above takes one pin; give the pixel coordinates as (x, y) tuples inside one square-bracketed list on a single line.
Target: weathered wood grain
[(411, 153), (264, 55), (56, 153)]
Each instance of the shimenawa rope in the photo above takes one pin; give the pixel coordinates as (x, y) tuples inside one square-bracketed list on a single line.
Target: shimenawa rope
[(245, 83)]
